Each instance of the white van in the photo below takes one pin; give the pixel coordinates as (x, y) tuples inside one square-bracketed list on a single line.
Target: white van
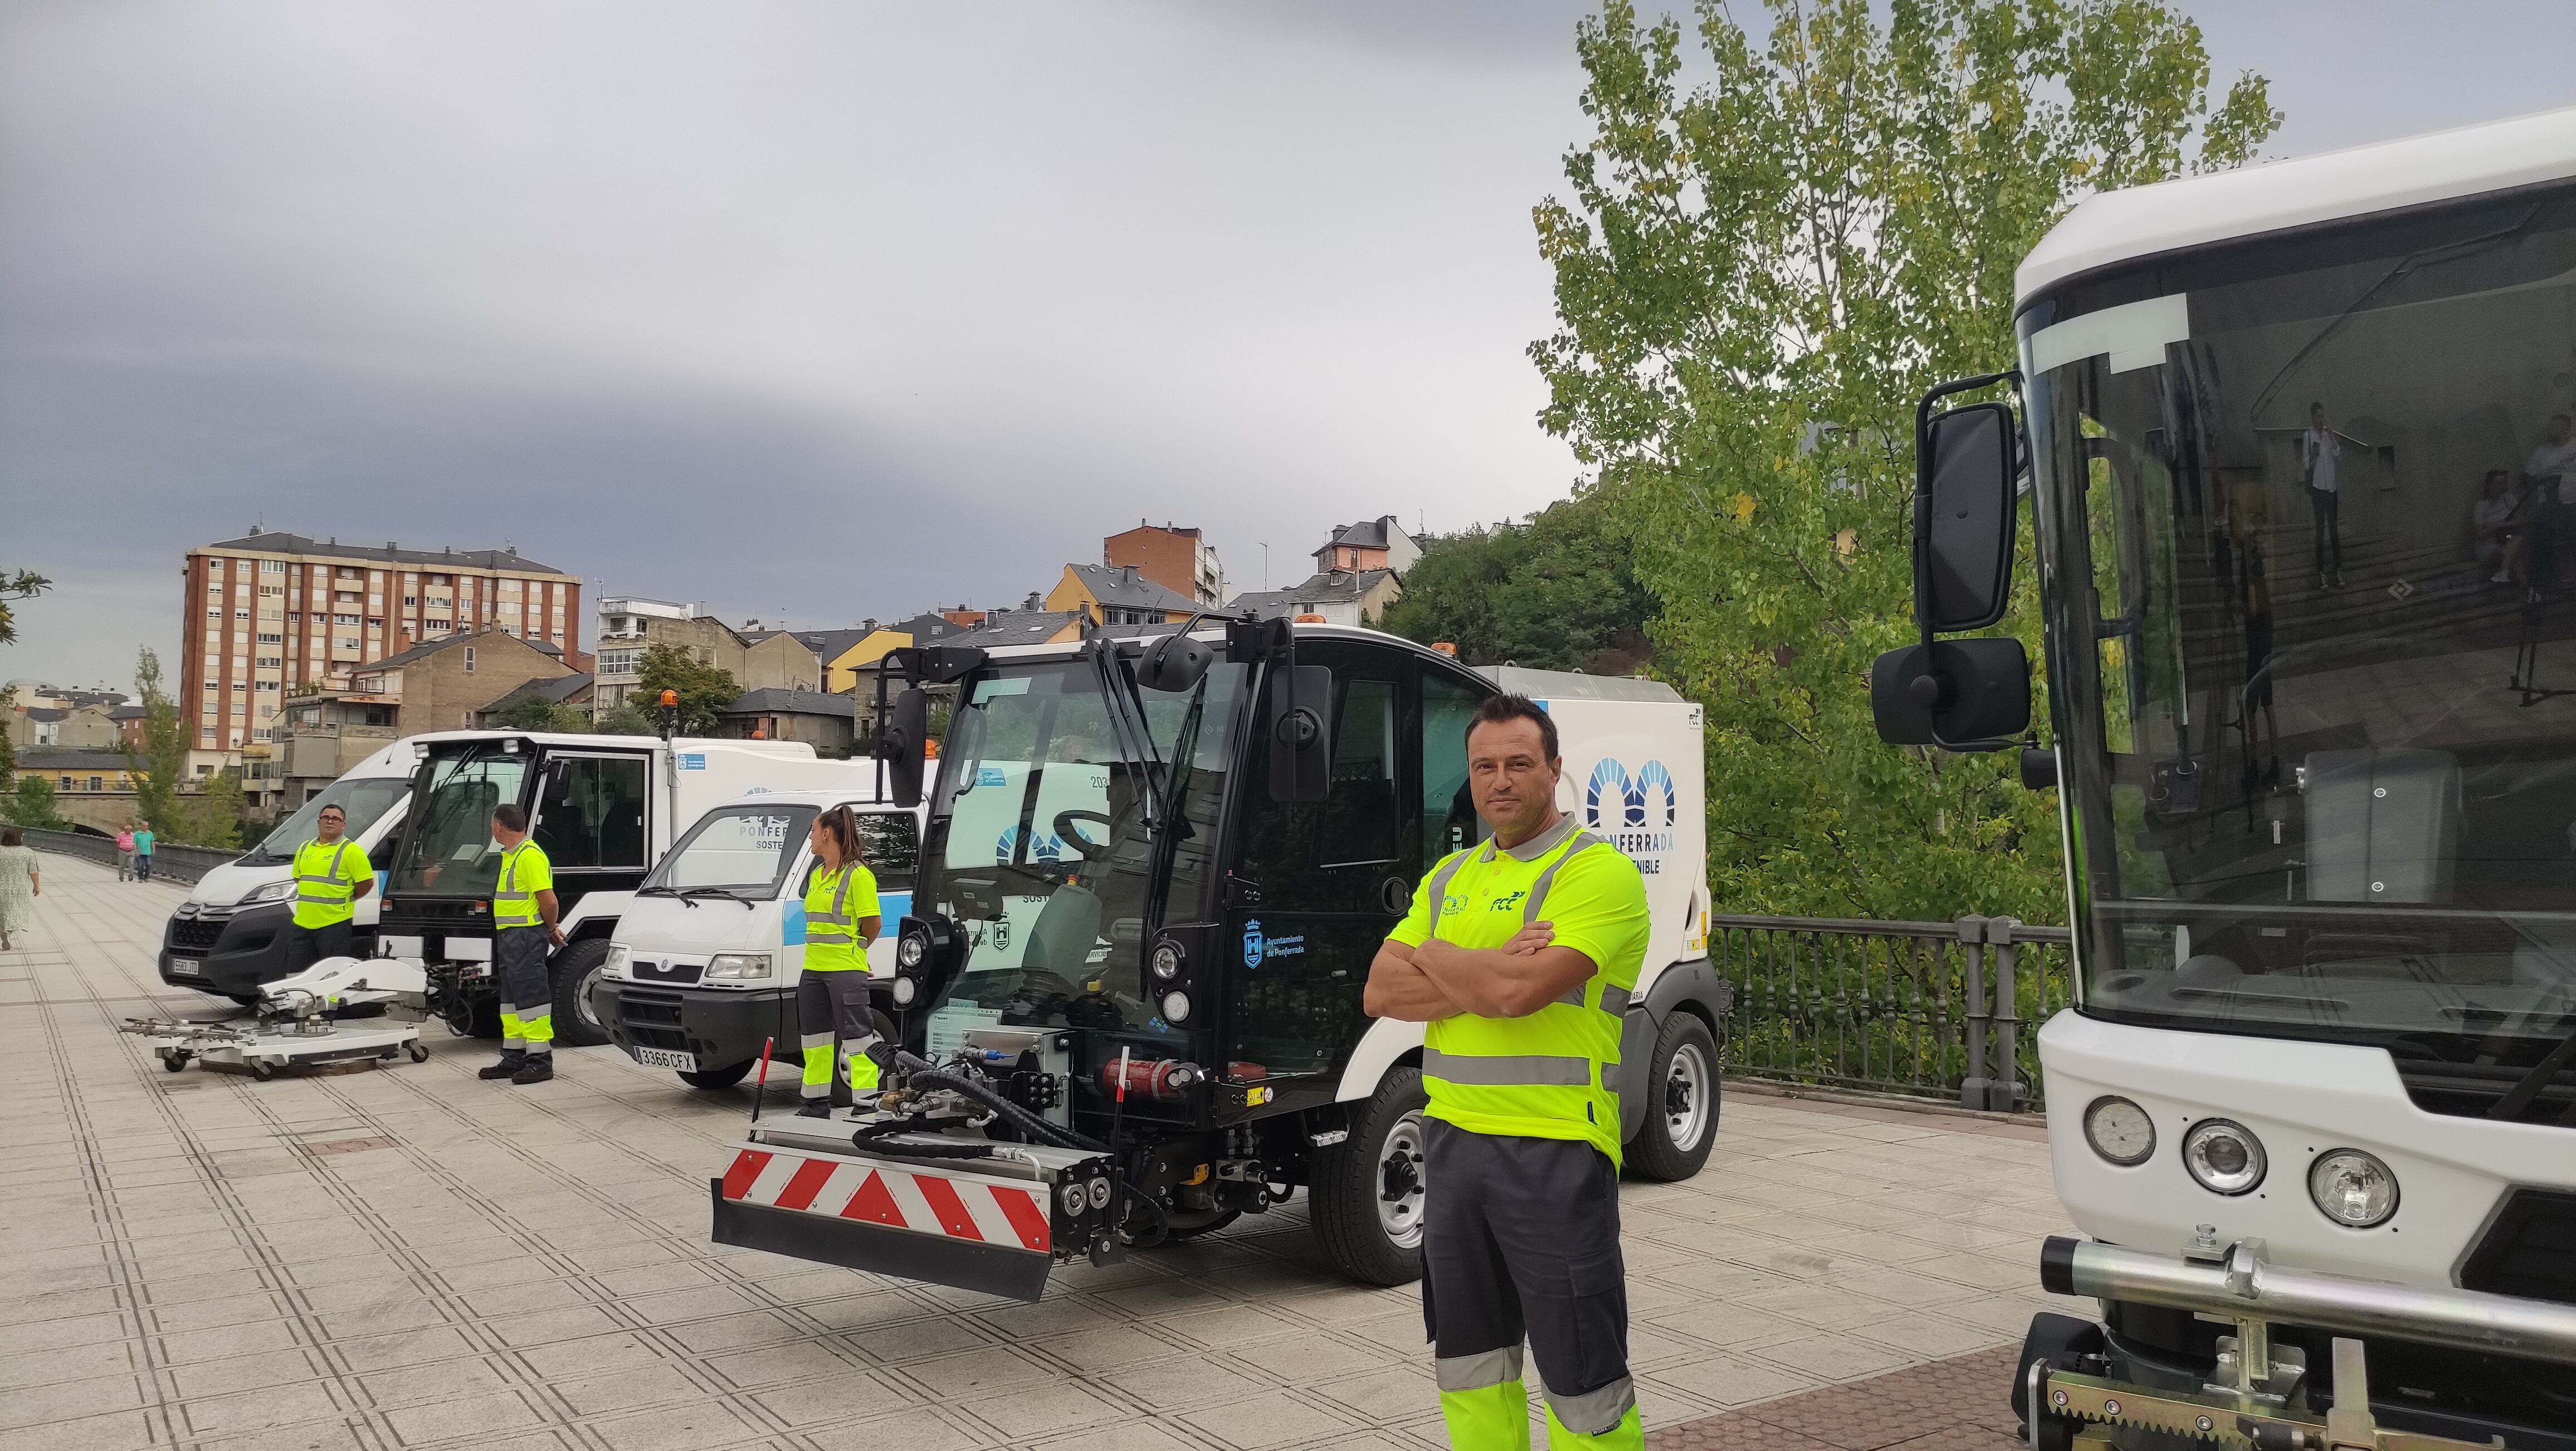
[(703, 965)]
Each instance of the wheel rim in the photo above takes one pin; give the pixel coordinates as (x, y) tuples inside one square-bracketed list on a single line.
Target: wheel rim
[(1399, 1184), (1689, 1096), (581, 1003)]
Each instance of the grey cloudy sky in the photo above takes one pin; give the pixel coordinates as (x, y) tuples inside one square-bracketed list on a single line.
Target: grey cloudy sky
[(835, 309)]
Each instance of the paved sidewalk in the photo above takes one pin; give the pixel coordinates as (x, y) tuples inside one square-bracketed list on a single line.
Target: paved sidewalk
[(410, 1257)]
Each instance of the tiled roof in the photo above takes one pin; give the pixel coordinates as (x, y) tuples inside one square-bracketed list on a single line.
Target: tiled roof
[(275, 543), (1333, 586), (1120, 586)]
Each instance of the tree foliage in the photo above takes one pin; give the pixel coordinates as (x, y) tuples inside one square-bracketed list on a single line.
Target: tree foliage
[(26, 584), (1755, 280), (538, 714), (212, 816), (1556, 591), (162, 765), (704, 691), (33, 805), (628, 719)]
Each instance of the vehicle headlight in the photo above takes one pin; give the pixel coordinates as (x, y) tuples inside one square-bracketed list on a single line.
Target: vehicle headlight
[(2354, 1189), (273, 892), (910, 949), (2120, 1131), (615, 964), (1167, 960), (738, 965), (1176, 1007), (2224, 1157), (905, 990)]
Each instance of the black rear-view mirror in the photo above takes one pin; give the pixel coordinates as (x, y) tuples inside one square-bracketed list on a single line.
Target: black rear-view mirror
[(1983, 699), (1174, 664), (1301, 733), (1965, 464), (902, 743)]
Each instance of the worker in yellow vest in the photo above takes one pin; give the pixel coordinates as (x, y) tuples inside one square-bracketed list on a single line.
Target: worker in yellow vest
[(331, 874), (841, 920), (1519, 956), (524, 915)]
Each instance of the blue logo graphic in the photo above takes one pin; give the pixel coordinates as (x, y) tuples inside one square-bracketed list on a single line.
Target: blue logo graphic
[(1636, 812), (1259, 947), (1040, 848), (1252, 944)]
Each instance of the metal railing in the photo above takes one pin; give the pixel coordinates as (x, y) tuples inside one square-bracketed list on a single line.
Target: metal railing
[(177, 863), (1936, 1009)]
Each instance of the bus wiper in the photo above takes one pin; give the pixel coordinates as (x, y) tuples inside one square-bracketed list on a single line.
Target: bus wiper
[(1140, 750), (728, 893), (2531, 1085)]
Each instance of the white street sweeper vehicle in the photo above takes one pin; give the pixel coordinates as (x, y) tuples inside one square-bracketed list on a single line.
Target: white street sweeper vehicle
[(2298, 448), (1154, 873), (603, 807), (702, 970)]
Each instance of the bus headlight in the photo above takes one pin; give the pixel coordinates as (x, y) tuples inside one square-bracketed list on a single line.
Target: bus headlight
[(2224, 1157), (615, 964), (2354, 1189), (904, 992), (1167, 960), (736, 966), (911, 949), (2120, 1131)]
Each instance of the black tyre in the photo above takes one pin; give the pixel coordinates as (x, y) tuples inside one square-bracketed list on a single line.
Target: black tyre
[(717, 1078), (576, 970), (1367, 1190), (1681, 1103), (419, 1051)]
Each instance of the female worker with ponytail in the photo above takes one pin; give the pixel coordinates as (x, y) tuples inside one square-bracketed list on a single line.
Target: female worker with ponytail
[(841, 919)]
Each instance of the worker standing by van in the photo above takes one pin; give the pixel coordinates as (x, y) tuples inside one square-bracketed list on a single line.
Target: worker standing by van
[(524, 914), (842, 919), (1520, 954), (331, 874)]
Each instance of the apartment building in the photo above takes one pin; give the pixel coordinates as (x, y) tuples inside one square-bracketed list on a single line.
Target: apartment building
[(630, 624), (1177, 558), (269, 612)]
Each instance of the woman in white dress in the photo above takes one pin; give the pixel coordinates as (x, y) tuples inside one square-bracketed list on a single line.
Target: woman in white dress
[(20, 885)]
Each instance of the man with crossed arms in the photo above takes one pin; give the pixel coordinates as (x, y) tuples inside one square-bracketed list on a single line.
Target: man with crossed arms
[(1519, 955)]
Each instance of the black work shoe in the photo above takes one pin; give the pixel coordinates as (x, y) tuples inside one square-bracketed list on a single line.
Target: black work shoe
[(814, 1108), (509, 1065), (540, 1068)]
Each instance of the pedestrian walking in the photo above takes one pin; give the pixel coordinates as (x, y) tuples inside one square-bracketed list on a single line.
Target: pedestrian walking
[(143, 853), (835, 1024), (125, 855), (331, 874), (524, 915), (1519, 955), (20, 886)]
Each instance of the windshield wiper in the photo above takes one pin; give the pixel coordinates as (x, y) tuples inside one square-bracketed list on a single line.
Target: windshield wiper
[(2533, 1084), (730, 894), (1140, 751)]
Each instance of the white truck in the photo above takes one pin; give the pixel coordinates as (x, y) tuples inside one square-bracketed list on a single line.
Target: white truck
[(703, 965), (1154, 872), (2315, 1104), (604, 807), (229, 937)]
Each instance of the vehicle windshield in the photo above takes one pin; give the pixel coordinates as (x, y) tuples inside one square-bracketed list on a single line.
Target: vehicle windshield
[(2309, 510), (743, 851), (1039, 852), (447, 847), (365, 799)]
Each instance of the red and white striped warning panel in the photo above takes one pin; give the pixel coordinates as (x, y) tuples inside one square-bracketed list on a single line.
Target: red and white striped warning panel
[(1003, 1213)]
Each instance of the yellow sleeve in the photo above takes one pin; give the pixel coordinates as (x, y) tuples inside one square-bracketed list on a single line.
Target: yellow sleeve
[(355, 868), (1598, 906), (863, 894), (1415, 929)]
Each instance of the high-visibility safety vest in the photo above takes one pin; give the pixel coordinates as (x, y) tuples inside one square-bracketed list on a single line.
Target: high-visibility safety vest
[(835, 904), (525, 871), (1555, 1073), (326, 881)]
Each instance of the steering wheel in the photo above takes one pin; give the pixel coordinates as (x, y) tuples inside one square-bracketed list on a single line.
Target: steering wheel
[(1083, 846)]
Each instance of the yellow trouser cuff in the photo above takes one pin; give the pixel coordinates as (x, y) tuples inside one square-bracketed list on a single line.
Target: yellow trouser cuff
[(1488, 1418)]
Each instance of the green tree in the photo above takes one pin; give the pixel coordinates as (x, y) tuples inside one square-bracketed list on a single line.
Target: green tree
[(212, 816), (33, 805), (629, 719), (1553, 592), (704, 690), (538, 714), (26, 584), (1755, 280), (161, 766), (8, 752)]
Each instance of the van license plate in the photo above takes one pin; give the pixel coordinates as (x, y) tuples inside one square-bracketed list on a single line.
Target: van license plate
[(667, 1058)]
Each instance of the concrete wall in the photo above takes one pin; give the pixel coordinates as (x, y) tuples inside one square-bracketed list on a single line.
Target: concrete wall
[(781, 662)]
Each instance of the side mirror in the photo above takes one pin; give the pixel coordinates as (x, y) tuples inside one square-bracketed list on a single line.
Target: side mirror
[(1301, 733), (901, 744), (1965, 465), (1982, 705), (1174, 664)]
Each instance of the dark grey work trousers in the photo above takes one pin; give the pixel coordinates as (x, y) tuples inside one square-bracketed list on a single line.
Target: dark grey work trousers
[(306, 946), (1520, 1240)]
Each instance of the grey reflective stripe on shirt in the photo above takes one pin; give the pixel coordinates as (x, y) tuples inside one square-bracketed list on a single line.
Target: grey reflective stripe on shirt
[(1438, 887), (839, 927), (1508, 1070), (1538, 889), (1614, 998), (338, 855), (503, 890), (1476, 1372), (1594, 1413)]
